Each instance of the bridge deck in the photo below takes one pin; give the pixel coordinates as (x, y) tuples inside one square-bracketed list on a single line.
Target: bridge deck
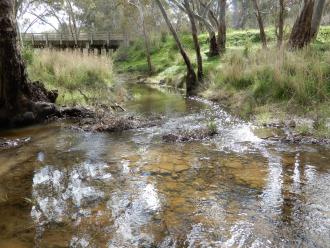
[(66, 40)]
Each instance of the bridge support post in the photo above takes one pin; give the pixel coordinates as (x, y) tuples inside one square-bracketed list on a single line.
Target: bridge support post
[(32, 40), (61, 40), (47, 42), (88, 47)]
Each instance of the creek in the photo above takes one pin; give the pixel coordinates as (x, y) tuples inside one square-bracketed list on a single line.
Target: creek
[(70, 188)]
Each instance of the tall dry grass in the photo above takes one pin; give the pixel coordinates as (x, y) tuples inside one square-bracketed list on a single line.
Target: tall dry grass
[(79, 78), (272, 74)]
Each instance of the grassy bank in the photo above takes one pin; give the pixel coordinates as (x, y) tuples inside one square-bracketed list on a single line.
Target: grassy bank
[(263, 85), (80, 79)]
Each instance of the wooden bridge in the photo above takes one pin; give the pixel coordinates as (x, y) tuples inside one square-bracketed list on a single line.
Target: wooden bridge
[(90, 41)]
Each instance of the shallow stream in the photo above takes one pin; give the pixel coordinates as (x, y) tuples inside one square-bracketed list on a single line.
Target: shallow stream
[(69, 188)]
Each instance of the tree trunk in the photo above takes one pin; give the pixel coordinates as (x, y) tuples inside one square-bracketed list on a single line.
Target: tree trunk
[(191, 80), (236, 18), (145, 38), (222, 32), (244, 14), (73, 18), (214, 49), (12, 70), (196, 42), (17, 94), (301, 31), (280, 24), (260, 23), (317, 17), (147, 47)]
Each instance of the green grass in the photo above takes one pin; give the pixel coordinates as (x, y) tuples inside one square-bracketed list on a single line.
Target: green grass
[(80, 79), (249, 80), (164, 51), (266, 75)]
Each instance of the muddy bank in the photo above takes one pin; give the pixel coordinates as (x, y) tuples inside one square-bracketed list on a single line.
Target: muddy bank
[(115, 123), (189, 135)]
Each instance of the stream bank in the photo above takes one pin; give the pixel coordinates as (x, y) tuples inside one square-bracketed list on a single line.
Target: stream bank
[(277, 121)]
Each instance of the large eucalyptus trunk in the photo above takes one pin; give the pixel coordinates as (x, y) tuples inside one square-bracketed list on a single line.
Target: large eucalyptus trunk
[(19, 99), (12, 70), (317, 17), (222, 33), (191, 79), (260, 23), (301, 31)]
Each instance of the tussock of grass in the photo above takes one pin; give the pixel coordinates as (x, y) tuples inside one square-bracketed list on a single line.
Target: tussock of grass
[(80, 79), (272, 75)]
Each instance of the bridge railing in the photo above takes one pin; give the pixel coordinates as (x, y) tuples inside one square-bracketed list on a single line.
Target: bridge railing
[(105, 36)]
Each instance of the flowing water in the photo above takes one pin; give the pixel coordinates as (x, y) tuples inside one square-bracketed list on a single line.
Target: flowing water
[(69, 188)]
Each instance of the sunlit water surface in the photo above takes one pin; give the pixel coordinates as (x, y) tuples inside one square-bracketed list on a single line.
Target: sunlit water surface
[(69, 188)]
